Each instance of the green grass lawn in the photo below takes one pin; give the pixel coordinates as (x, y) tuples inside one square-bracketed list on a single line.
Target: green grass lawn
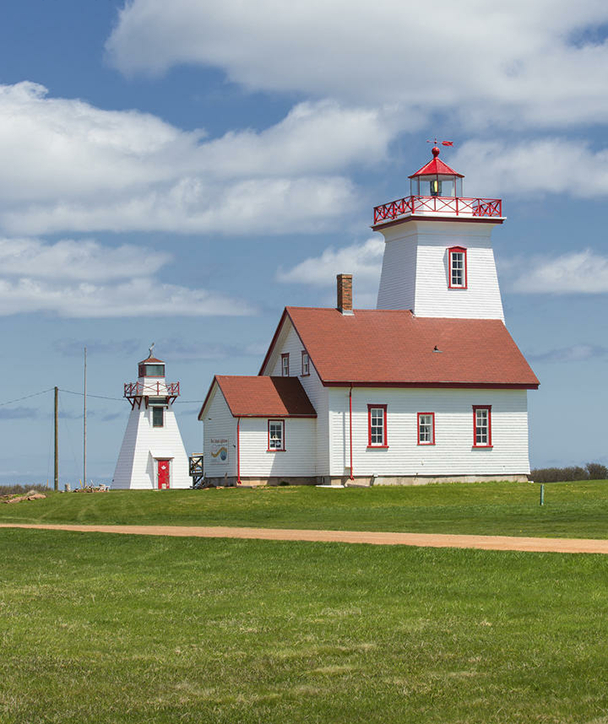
[(104, 628), (572, 509)]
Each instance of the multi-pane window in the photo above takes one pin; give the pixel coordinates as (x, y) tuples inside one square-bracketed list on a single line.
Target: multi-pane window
[(158, 417), (285, 365), (276, 434), (305, 364), (426, 428), (482, 418), (377, 425), (458, 267)]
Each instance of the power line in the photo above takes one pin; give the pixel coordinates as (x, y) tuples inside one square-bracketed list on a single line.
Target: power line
[(99, 397), (27, 397)]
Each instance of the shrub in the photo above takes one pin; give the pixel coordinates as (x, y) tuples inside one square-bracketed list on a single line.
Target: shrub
[(591, 471)]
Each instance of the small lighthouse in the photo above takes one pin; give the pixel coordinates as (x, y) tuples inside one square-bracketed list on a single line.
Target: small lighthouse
[(438, 259), (152, 455)]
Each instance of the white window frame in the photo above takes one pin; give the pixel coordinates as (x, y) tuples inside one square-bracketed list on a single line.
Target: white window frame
[(276, 437)]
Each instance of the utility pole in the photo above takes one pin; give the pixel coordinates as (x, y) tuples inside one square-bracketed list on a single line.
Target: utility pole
[(56, 438), (84, 444)]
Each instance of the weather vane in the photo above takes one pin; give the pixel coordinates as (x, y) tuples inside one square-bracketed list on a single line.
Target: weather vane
[(443, 143), (151, 348)]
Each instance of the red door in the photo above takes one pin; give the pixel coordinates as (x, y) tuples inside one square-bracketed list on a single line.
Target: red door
[(163, 474)]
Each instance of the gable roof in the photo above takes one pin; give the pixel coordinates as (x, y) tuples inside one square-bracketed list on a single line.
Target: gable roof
[(376, 347), (249, 396)]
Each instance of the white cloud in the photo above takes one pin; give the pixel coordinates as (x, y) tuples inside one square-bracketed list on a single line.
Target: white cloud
[(69, 166), (93, 281), (583, 272), (83, 260), (363, 261), (134, 298), (192, 205), (537, 166), (538, 64)]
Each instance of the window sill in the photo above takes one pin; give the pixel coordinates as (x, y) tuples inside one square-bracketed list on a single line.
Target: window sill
[(426, 444), (377, 447), (276, 449), (306, 375), (482, 447)]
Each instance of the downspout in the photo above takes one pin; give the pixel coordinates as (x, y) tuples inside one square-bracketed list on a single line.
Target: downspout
[(350, 425), (238, 450)]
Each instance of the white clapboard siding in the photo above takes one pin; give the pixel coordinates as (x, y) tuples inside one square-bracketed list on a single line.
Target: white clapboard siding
[(143, 444), (415, 270), (289, 342), (453, 452), (298, 458), (219, 424)]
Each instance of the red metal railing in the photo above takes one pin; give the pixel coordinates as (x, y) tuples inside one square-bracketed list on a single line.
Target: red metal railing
[(459, 206), (156, 389)]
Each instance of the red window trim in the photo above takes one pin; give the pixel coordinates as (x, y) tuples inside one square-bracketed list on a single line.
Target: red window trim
[(432, 414), (276, 449), (283, 357), (305, 374), (369, 427), (458, 249), (489, 409)]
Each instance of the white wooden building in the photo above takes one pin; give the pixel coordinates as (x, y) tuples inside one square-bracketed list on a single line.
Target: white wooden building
[(429, 386), (152, 455)]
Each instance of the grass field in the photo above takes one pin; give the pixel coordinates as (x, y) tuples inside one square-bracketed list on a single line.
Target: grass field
[(111, 629), (571, 510)]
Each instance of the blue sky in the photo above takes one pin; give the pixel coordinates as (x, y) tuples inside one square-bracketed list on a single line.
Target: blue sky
[(178, 172)]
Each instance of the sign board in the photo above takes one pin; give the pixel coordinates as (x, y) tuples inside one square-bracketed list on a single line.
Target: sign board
[(219, 451)]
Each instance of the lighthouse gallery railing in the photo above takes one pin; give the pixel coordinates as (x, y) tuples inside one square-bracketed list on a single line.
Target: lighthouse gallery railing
[(460, 206)]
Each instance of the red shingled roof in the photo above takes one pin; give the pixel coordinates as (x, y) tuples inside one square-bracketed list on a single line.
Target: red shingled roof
[(151, 360), (393, 347), (263, 396), (436, 167)]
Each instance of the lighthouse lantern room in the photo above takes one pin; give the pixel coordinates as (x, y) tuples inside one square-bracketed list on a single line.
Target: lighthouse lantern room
[(152, 455)]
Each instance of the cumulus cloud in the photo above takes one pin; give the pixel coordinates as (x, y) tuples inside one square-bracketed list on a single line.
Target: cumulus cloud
[(581, 272), (32, 279), (537, 64), (83, 260), (498, 167), (363, 261), (69, 166)]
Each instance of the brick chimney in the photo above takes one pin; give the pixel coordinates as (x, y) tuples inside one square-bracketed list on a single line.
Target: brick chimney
[(345, 293)]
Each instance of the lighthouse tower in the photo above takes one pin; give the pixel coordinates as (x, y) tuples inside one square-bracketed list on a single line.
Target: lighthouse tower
[(438, 259), (152, 455)]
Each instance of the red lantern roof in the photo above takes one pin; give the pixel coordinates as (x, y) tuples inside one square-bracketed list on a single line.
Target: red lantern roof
[(152, 361), (436, 167)]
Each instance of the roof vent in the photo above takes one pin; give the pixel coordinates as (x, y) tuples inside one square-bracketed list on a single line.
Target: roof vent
[(345, 293)]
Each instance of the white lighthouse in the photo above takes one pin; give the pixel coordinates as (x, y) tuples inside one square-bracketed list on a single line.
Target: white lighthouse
[(438, 259), (152, 456)]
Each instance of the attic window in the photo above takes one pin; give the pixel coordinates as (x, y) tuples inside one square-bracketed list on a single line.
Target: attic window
[(285, 365), (305, 364)]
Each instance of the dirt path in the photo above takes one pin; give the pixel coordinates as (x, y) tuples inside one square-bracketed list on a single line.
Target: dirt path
[(433, 540)]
